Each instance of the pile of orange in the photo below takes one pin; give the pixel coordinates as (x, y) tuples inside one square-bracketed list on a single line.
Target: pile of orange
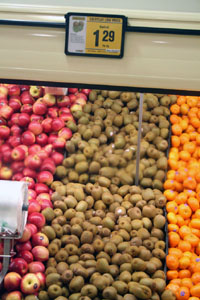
[(182, 190)]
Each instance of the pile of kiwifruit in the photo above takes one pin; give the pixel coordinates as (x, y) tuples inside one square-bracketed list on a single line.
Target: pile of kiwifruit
[(106, 235)]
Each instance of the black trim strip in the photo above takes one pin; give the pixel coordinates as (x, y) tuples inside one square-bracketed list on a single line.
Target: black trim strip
[(101, 87), (127, 29)]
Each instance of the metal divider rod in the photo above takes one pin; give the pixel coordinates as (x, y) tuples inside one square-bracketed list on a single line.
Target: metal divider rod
[(6, 259), (139, 138)]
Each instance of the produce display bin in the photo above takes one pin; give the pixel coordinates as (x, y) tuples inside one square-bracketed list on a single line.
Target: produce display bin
[(126, 108)]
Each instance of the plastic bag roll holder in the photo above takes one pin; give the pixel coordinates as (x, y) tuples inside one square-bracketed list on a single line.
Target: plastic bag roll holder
[(9, 237)]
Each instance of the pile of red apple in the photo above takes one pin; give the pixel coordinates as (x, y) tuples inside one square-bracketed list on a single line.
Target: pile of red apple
[(33, 134)]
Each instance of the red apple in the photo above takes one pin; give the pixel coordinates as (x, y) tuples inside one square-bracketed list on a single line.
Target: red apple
[(34, 206), (15, 119), (80, 101), (14, 141), (2, 121), (33, 161), (53, 112), (15, 104), (36, 118), (65, 133), (42, 279), (12, 281), (24, 87), (17, 176), (63, 101), (30, 173), (25, 148), (27, 108), (32, 194), (4, 132), (6, 111), (5, 173), (46, 123), (41, 188), (13, 90), (3, 90), (49, 99), (36, 91), (24, 119), (48, 148), (75, 107), (42, 139), (72, 90), (28, 138), (23, 246), (36, 266), (15, 295), (34, 149), (64, 110), (48, 166), (18, 154), (81, 95), (15, 130), (72, 97), (33, 228), (40, 253), (40, 239), (42, 154), (45, 177), (26, 235), (18, 265), (37, 218), (26, 255), (44, 203), (39, 108), (67, 117), (30, 284), (43, 196), (26, 98), (6, 156), (86, 91), (17, 166), (29, 180), (35, 127), (5, 147), (57, 157), (52, 137), (59, 143)]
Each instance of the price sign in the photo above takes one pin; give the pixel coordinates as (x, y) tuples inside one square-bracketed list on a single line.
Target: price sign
[(95, 35)]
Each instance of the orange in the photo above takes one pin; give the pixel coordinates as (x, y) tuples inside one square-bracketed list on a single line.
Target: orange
[(189, 183), (172, 274), (180, 220), (176, 252), (173, 155), (185, 211), (178, 186), (197, 266), (172, 262), (198, 139), (197, 177), (170, 194), (176, 129), (195, 122), (193, 298), (181, 100), (173, 227), (184, 230), (172, 206), (175, 109), (197, 213), (196, 232), (171, 174), (195, 290), (196, 277), (184, 262), (192, 239), (187, 282), (173, 287), (184, 124), (184, 109), (175, 140), (169, 184), (171, 218), (192, 134), (192, 101), (173, 164), (195, 223), (174, 239), (183, 293), (184, 274), (189, 147), (193, 203), (181, 198), (184, 246), (184, 155), (184, 138), (176, 281), (174, 119), (189, 193)]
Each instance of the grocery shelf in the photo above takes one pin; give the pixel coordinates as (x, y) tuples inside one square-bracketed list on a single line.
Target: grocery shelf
[(151, 59)]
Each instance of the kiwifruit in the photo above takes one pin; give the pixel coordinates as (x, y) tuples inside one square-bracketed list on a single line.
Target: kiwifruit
[(145, 254), (52, 278), (102, 265), (75, 296), (76, 284), (159, 221), (129, 297), (49, 231), (168, 295), (160, 245), (155, 232), (109, 293), (120, 286), (30, 297), (159, 274), (139, 290), (60, 298), (155, 296), (157, 262), (148, 282), (125, 276), (43, 295), (54, 291), (160, 285), (61, 267), (151, 267), (138, 264), (61, 255), (100, 282), (143, 233), (53, 249)]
